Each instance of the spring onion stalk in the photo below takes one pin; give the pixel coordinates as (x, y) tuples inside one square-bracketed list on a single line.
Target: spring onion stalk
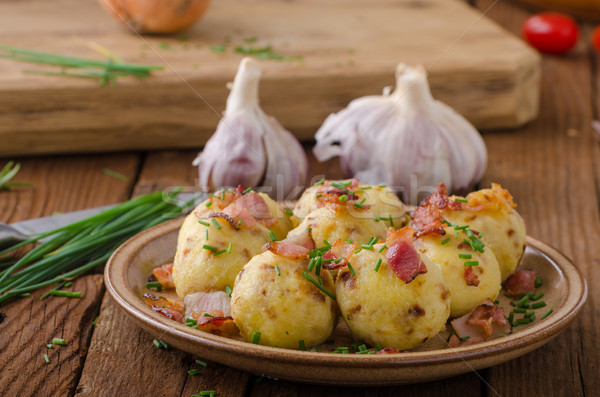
[(74, 249)]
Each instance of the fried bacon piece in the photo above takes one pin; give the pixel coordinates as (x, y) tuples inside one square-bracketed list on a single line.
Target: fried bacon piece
[(167, 307), (388, 350), (427, 217), (329, 195), (401, 255), (214, 322), (522, 281), (257, 207), (494, 199), (248, 208), (238, 213), (164, 275), (338, 250), (294, 247), (485, 321), (470, 277)]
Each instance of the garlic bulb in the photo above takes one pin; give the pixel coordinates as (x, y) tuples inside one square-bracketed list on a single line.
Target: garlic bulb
[(406, 139), (251, 148)]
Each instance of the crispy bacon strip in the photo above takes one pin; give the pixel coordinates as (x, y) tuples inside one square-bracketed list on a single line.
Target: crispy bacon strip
[(172, 314), (388, 350), (215, 323), (167, 307), (164, 275), (237, 213), (484, 322), (427, 217), (485, 315), (401, 255), (470, 277), (520, 282), (339, 250), (257, 207), (294, 247)]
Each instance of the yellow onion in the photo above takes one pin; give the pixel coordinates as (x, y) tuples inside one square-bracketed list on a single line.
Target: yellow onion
[(156, 16)]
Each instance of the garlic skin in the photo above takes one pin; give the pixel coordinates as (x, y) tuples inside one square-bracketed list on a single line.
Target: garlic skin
[(406, 140), (249, 147)]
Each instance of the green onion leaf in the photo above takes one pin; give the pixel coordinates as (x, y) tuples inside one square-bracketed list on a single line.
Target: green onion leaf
[(65, 294), (538, 282), (247, 190), (312, 280), (537, 305), (378, 264), (46, 359), (301, 345), (461, 200), (272, 235), (465, 256), (277, 270), (154, 284), (255, 337), (383, 247), (445, 241), (289, 212), (472, 263), (57, 341), (200, 362), (549, 312), (193, 372), (320, 182), (210, 247), (216, 223), (351, 269), (343, 198), (228, 290)]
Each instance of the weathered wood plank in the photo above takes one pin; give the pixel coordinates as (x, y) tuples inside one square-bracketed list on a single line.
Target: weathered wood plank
[(31, 324), (551, 167)]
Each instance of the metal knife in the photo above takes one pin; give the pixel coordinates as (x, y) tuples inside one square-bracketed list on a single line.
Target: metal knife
[(20, 231)]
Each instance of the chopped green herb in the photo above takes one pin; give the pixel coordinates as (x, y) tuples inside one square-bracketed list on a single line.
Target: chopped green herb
[(472, 263), (208, 204), (216, 223), (200, 362), (461, 200), (366, 187), (378, 346), (463, 227), (523, 301), (223, 251), (301, 345), (46, 359), (378, 264), (351, 269), (247, 190), (228, 290), (465, 256), (367, 247), (24, 295), (391, 220), (239, 223), (210, 247), (537, 305), (255, 337), (382, 186), (58, 341), (312, 280), (206, 234), (372, 241), (272, 235), (537, 296), (496, 302), (193, 372), (320, 182), (519, 310), (312, 263), (7, 173), (358, 205), (343, 198), (203, 222), (319, 195), (65, 294), (50, 346), (549, 312), (208, 315), (115, 175), (524, 320), (95, 321), (538, 282), (277, 270), (68, 284), (511, 316), (289, 212), (218, 48), (383, 247), (230, 247), (209, 393)]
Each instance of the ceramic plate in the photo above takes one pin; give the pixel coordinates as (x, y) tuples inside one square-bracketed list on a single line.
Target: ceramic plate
[(128, 268)]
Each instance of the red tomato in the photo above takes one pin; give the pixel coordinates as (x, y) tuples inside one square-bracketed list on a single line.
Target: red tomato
[(551, 32), (596, 38)]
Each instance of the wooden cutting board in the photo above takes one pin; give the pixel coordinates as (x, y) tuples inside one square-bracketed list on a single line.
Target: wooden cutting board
[(349, 48)]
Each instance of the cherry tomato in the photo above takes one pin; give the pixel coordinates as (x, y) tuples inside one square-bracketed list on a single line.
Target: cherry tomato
[(596, 38), (551, 32)]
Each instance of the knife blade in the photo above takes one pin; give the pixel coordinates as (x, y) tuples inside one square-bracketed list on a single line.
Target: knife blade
[(20, 231)]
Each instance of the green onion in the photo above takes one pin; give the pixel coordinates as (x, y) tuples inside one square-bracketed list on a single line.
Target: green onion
[(216, 223), (496, 302), (320, 182), (524, 320), (383, 247), (49, 346), (367, 247), (9, 172), (312, 263), (519, 310), (46, 359), (523, 301), (208, 315), (366, 187), (301, 345), (351, 269), (327, 245), (537, 296), (65, 294), (209, 393), (472, 263), (537, 305), (229, 247), (549, 312), (538, 282), (445, 241), (382, 186), (57, 341), (343, 198), (378, 264), (223, 251), (273, 236), (95, 321), (319, 195), (378, 346), (115, 175), (338, 185), (312, 280), (372, 241), (206, 234), (511, 316), (210, 247), (391, 220), (239, 223), (277, 270), (465, 256), (200, 362), (358, 205), (289, 212), (255, 337), (154, 284), (247, 190), (208, 204), (228, 290), (461, 200), (193, 372), (463, 227), (190, 322), (68, 284), (24, 295)]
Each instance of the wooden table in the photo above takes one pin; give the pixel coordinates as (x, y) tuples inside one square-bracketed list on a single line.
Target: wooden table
[(552, 167)]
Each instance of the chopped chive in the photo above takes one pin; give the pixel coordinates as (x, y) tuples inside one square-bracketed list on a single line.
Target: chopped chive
[(362, 348), (343, 198), (358, 205), (239, 223), (309, 229), (311, 264), (549, 312), (46, 359), (447, 223), (272, 235), (351, 269), (156, 343), (391, 220), (523, 301), (382, 186), (255, 337), (24, 295), (50, 346), (190, 322), (463, 227), (193, 372), (209, 393), (163, 345), (372, 241), (228, 290), (319, 195), (537, 305), (216, 223), (530, 314), (377, 264), (338, 185), (204, 223), (496, 302), (519, 310), (206, 234), (383, 247), (537, 296), (464, 338), (208, 315), (95, 321), (318, 268), (65, 294), (327, 244), (519, 296), (502, 335), (524, 320), (289, 212), (538, 282), (461, 200), (223, 193), (367, 247), (68, 284), (465, 256), (277, 270), (58, 341), (366, 187), (511, 316), (247, 190), (456, 235), (312, 280), (472, 263), (208, 204), (210, 247), (378, 346), (301, 345), (320, 182), (220, 252), (200, 362), (230, 247)]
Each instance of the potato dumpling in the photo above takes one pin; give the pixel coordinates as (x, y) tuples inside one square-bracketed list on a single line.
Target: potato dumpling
[(379, 307), (340, 224), (383, 202), (491, 212), (197, 269), (285, 308), (459, 278)]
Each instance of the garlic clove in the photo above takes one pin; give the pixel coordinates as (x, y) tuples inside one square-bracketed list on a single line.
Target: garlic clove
[(251, 148), (406, 139)]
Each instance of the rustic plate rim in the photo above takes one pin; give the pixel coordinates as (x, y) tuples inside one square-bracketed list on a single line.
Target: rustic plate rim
[(541, 332)]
